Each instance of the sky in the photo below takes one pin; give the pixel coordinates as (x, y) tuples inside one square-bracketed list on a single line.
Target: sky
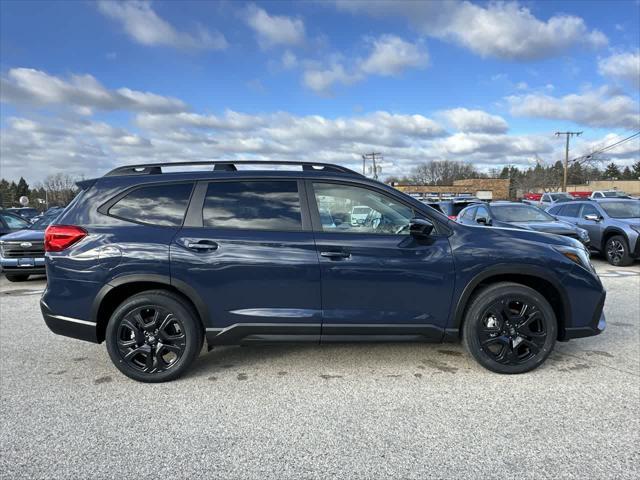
[(89, 85)]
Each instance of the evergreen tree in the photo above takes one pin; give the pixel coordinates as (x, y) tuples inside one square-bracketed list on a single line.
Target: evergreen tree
[(627, 174), (22, 188), (612, 172), (636, 170)]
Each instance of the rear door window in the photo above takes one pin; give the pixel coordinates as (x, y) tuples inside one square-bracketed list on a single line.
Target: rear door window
[(253, 205), (163, 205), (589, 210), (572, 210)]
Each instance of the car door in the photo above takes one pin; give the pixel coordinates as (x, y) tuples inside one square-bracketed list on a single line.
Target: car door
[(248, 251), (594, 227), (377, 280)]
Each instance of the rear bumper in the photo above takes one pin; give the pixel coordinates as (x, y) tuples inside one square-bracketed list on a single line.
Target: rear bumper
[(69, 327)]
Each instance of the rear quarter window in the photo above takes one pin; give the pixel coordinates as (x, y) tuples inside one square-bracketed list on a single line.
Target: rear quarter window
[(163, 205)]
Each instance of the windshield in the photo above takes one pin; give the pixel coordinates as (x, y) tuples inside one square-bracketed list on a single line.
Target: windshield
[(622, 209), (520, 213)]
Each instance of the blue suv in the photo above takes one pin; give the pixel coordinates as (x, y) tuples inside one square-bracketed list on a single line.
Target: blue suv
[(153, 262)]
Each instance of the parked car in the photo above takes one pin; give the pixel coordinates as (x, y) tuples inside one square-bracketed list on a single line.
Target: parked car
[(22, 251), (359, 214), (549, 199), (155, 262), (25, 212), (10, 222), (518, 215), (598, 194), (613, 226), (451, 208)]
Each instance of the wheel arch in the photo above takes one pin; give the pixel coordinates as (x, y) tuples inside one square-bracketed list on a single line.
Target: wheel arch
[(116, 291), (610, 232), (530, 276)]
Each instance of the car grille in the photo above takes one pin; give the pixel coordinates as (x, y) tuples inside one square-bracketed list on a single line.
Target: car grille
[(16, 250)]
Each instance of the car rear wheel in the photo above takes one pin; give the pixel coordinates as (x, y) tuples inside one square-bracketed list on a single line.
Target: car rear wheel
[(154, 336), (617, 251), (509, 328), (17, 277)]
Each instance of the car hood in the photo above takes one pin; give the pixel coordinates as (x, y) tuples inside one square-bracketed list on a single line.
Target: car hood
[(26, 235), (558, 228), (627, 221), (521, 234)]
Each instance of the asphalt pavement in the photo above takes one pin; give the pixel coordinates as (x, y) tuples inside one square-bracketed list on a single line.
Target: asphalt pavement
[(340, 411)]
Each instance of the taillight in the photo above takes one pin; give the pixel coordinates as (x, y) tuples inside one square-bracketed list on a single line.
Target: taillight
[(59, 237), (453, 217)]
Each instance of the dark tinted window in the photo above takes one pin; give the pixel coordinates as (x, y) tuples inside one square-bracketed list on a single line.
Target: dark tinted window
[(261, 205), (556, 210), (157, 205), (572, 210)]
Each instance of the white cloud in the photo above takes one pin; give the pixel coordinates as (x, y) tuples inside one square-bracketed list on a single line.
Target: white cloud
[(474, 121), (144, 26), (274, 29), (622, 66), (321, 80), (505, 30), (289, 60), (26, 86), (388, 55), (391, 55), (601, 107)]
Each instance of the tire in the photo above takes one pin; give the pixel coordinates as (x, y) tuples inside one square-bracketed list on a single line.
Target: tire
[(17, 277), (505, 337), (154, 336), (616, 251)]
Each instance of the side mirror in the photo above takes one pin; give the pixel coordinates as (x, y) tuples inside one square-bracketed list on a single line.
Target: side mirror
[(483, 221), (592, 217), (420, 228)]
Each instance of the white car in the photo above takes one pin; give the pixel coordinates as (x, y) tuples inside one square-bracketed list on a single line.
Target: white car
[(609, 194), (359, 214)]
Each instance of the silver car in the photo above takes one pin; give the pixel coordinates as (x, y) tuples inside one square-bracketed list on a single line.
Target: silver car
[(613, 226)]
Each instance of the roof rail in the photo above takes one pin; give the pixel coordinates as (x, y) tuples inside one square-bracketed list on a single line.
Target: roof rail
[(223, 165)]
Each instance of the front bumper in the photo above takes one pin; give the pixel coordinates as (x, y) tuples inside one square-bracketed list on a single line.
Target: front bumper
[(596, 326), (23, 265), (69, 327)]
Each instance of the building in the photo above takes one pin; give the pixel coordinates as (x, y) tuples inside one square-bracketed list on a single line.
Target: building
[(484, 188)]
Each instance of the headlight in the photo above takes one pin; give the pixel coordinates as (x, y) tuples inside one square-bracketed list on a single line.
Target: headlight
[(577, 255), (583, 234)]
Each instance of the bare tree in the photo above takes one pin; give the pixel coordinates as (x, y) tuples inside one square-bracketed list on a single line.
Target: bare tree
[(59, 189), (442, 172)]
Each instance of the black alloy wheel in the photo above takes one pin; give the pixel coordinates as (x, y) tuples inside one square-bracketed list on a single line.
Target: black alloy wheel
[(151, 339), (154, 336), (512, 331), (509, 328)]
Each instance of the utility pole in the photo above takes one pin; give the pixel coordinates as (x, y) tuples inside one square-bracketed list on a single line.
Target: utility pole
[(566, 157), (373, 156)]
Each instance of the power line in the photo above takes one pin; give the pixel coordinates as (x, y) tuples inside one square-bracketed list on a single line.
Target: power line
[(371, 156), (608, 147)]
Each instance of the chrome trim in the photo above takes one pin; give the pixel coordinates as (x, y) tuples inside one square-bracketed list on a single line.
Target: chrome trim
[(74, 320)]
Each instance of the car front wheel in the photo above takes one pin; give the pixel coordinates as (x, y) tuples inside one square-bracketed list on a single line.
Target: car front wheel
[(154, 336), (617, 251), (509, 328)]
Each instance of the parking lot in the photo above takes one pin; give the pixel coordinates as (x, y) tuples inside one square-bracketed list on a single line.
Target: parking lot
[(339, 411)]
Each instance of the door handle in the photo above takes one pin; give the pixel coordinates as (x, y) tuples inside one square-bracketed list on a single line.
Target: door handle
[(202, 245), (335, 255)]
